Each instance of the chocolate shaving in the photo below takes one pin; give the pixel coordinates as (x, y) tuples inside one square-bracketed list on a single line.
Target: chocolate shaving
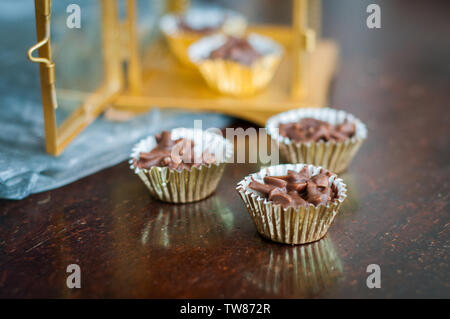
[(313, 130), (176, 154), (236, 49), (185, 26), (297, 188)]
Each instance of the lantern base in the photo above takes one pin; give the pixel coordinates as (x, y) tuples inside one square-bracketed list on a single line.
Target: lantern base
[(167, 83)]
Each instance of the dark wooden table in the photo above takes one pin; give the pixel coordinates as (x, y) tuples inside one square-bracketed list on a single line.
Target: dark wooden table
[(396, 79)]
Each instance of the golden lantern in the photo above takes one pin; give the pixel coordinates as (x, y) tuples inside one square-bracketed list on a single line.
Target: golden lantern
[(302, 78)]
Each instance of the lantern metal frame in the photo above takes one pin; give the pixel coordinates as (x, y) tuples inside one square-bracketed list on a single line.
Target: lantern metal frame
[(302, 79)]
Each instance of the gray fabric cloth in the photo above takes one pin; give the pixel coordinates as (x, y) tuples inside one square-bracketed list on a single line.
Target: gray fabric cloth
[(25, 168)]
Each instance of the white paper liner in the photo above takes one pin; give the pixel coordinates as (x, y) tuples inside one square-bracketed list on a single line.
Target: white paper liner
[(298, 225), (334, 156), (187, 185)]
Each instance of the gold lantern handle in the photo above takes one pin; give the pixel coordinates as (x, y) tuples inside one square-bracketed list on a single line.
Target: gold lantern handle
[(37, 46), (48, 63)]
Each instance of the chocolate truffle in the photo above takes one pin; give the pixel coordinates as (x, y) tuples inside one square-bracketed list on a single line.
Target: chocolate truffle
[(236, 49), (313, 130), (296, 188), (176, 154)]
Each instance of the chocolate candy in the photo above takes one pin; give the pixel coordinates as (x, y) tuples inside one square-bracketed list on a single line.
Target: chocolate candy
[(185, 26), (296, 188), (313, 130), (236, 49), (176, 154)]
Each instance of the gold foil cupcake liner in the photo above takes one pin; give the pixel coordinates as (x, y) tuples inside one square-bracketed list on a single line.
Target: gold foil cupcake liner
[(179, 44), (233, 78), (298, 225), (334, 156), (187, 185), (180, 40)]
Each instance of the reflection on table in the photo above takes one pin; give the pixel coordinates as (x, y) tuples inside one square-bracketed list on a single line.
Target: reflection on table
[(197, 224), (303, 270)]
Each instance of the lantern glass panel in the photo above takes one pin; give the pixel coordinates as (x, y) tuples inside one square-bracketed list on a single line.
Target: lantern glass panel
[(77, 54)]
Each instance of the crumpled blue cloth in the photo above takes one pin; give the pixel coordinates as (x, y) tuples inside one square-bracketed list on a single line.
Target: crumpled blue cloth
[(25, 168)]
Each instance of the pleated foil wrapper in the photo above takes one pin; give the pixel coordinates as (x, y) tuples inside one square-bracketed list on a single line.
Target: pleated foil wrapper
[(299, 225), (200, 17), (233, 78), (334, 156), (187, 185)]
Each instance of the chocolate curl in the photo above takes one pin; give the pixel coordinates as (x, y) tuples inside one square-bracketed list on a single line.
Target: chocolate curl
[(304, 172), (282, 129), (294, 177), (296, 135), (297, 200), (318, 194), (326, 172), (178, 154), (182, 151), (164, 139), (147, 160), (150, 156), (346, 128), (280, 197), (183, 25), (260, 187), (322, 133), (274, 181), (236, 49), (320, 180), (339, 137), (317, 198), (298, 187), (313, 130), (310, 122)]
